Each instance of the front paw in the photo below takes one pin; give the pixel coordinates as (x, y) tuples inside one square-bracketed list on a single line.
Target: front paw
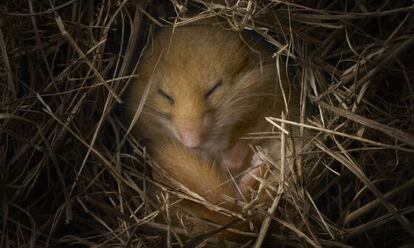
[(233, 159), (254, 174), (258, 158)]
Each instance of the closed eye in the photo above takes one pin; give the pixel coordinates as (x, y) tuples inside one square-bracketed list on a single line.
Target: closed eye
[(212, 89), (166, 96)]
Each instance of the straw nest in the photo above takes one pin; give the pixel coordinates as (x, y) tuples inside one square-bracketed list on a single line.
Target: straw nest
[(71, 177)]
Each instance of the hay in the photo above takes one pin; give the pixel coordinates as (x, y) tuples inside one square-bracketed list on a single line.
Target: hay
[(70, 176)]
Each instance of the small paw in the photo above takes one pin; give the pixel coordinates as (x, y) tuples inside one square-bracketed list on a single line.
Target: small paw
[(252, 178), (259, 158), (234, 158)]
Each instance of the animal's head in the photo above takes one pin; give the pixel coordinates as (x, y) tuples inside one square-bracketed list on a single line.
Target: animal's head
[(204, 81)]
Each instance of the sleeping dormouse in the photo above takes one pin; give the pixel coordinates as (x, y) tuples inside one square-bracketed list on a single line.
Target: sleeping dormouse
[(204, 89)]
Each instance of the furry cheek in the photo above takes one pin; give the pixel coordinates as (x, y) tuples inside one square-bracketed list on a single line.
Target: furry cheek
[(168, 126)]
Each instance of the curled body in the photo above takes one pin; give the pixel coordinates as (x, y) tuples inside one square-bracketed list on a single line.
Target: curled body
[(204, 89)]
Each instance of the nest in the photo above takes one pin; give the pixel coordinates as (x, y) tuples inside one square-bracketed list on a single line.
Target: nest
[(72, 176)]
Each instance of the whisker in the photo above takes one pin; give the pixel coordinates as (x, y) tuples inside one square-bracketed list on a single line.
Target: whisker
[(156, 113)]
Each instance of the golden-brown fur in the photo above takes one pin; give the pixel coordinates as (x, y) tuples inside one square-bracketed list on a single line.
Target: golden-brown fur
[(207, 87)]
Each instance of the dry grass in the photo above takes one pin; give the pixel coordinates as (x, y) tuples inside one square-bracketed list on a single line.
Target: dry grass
[(70, 176)]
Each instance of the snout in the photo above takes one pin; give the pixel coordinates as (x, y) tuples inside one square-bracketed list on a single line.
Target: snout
[(191, 137), (192, 133)]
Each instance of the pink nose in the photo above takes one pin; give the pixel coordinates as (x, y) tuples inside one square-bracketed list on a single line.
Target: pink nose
[(191, 137)]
